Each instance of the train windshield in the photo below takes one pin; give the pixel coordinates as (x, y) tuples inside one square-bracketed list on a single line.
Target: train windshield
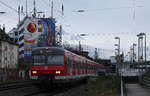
[(39, 60), (50, 59), (55, 60)]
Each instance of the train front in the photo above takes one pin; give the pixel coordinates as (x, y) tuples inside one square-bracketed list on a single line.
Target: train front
[(48, 62)]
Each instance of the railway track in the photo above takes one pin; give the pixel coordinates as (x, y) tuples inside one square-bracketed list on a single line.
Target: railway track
[(19, 88), (28, 88), (17, 84)]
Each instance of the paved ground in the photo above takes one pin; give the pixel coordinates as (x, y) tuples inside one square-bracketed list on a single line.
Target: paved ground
[(137, 90)]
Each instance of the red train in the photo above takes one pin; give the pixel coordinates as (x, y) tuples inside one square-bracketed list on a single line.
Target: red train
[(57, 64)]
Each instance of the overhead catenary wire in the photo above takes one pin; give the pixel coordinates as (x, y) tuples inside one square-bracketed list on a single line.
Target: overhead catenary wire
[(8, 6)]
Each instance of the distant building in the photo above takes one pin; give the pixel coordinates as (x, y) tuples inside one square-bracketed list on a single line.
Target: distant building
[(113, 60), (8, 55), (113, 63), (106, 63)]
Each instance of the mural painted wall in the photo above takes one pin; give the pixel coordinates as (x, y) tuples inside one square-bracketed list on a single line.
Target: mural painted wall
[(39, 32)]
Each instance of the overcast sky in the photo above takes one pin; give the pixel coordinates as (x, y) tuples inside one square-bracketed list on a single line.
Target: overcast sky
[(102, 20)]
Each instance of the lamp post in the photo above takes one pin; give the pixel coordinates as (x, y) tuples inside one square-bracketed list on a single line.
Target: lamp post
[(129, 54), (140, 35), (118, 45), (118, 57), (138, 48), (143, 34), (2, 12), (134, 55), (141, 48), (80, 46), (134, 45), (145, 51)]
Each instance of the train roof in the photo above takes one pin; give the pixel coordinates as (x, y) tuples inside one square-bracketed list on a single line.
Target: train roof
[(38, 48), (62, 51)]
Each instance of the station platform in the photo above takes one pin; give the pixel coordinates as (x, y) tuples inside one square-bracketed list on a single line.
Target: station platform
[(137, 90)]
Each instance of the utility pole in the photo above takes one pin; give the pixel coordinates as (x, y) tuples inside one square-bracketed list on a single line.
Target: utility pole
[(131, 54), (145, 48), (52, 9), (26, 8), (134, 55), (19, 14), (34, 9), (141, 57), (118, 57), (58, 40), (145, 53), (96, 54), (141, 49), (80, 47), (138, 49)]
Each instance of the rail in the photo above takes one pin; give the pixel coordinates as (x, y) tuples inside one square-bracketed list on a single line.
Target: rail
[(123, 88), (17, 84), (122, 92)]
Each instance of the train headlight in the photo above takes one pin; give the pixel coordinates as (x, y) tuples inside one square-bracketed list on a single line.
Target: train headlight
[(57, 72), (34, 72)]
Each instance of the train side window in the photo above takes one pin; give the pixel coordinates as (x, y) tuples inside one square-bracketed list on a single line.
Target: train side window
[(84, 65), (72, 62), (74, 65), (79, 64), (68, 62)]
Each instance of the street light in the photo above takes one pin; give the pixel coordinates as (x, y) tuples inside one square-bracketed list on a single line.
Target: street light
[(118, 57), (143, 34), (115, 44), (133, 54), (83, 34), (80, 46), (140, 46), (2, 12), (140, 35), (80, 11), (118, 45), (134, 45), (141, 38)]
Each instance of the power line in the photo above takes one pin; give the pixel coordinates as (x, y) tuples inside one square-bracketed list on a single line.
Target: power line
[(102, 9), (8, 6)]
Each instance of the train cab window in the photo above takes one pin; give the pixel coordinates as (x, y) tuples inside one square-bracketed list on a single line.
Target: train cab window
[(55, 60), (39, 60)]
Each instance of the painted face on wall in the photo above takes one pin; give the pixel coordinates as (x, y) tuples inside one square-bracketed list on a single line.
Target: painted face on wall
[(32, 31), (31, 27), (38, 32)]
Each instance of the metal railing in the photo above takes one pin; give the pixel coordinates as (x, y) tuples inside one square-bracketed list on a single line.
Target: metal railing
[(146, 81)]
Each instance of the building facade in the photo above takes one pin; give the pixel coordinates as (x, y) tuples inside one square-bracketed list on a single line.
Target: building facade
[(8, 56), (30, 33)]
